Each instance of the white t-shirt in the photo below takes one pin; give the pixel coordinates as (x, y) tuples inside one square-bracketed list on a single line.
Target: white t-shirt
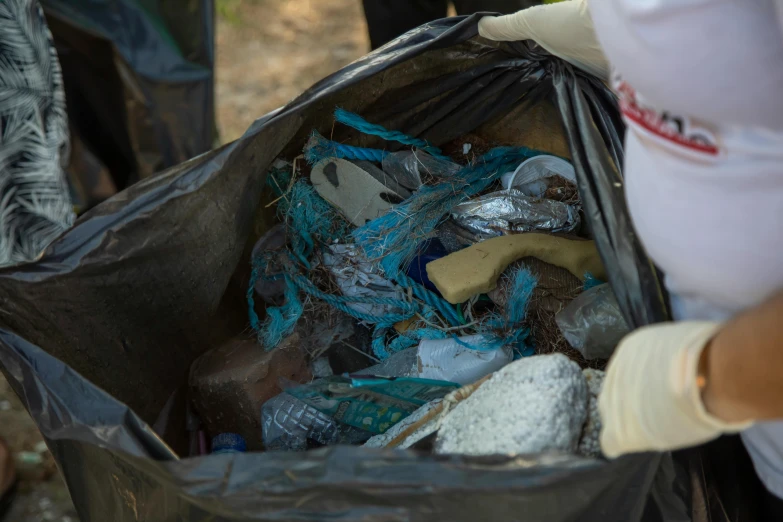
[(701, 88)]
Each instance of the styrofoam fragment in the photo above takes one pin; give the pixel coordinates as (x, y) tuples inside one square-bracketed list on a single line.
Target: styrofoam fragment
[(533, 405), (590, 445)]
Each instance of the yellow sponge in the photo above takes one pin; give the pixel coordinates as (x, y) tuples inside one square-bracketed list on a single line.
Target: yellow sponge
[(475, 270)]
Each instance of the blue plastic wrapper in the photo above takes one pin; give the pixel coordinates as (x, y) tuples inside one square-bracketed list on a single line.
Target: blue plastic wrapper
[(373, 405)]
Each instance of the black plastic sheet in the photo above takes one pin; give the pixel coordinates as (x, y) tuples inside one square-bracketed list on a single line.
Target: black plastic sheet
[(97, 336)]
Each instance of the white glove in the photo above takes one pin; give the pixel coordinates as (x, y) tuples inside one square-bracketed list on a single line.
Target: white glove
[(650, 400), (564, 29)]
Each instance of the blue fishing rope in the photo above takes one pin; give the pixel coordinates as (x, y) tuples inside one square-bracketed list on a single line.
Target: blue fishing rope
[(430, 298), (341, 303), (507, 329), (282, 320), (357, 122), (319, 148)]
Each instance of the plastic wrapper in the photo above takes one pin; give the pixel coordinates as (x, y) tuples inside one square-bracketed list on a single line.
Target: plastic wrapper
[(271, 290), (401, 364), (370, 404), (512, 212), (456, 361), (424, 422), (593, 322), (357, 277), (411, 168), (97, 335), (382, 440), (462, 362)]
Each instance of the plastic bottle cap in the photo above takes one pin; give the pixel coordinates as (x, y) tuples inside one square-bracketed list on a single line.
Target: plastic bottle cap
[(228, 443)]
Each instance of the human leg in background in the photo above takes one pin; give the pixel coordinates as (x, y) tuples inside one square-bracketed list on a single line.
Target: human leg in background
[(388, 19), (466, 7)]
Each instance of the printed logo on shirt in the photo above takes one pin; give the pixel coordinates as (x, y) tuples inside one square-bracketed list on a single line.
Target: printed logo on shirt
[(672, 128)]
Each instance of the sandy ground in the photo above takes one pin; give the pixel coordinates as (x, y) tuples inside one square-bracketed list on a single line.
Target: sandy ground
[(267, 51)]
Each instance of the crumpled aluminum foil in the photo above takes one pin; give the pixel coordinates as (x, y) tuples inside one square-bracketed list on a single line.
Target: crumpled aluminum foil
[(511, 211), (358, 277)]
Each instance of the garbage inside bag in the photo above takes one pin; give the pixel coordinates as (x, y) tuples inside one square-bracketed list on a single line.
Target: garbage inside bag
[(533, 405), (534, 176), (353, 354), (293, 425), (229, 384), (590, 443), (401, 429), (387, 180), (412, 168), (512, 212), (392, 291), (475, 270), (593, 323), (424, 422), (460, 360), (321, 367), (556, 287), (357, 277), (428, 251), (272, 291), (401, 364), (370, 403), (453, 237), (99, 333), (354, 192)]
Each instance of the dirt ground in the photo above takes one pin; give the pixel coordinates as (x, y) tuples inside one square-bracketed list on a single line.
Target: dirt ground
[(267, 52)]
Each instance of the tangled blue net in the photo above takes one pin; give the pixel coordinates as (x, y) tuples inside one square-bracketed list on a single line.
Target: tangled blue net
[(390, 241)]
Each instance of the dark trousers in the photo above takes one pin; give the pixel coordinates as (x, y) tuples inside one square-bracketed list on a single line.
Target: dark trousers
[(388, 19)]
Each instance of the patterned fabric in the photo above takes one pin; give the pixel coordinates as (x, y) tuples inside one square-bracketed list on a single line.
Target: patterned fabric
[(35, 205)]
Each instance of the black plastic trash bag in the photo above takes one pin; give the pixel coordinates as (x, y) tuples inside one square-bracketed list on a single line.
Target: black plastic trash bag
[(97, 337), (138, 77)]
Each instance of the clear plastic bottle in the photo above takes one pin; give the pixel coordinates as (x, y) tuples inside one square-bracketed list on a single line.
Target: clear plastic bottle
[(228, 443), (292, 425)]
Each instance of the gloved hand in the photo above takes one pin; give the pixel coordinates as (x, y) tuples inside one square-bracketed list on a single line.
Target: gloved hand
[(564, 29), (650, 400)]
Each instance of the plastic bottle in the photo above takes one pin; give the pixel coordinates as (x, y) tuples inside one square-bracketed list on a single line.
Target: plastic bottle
[(290, 424), (228, 443)]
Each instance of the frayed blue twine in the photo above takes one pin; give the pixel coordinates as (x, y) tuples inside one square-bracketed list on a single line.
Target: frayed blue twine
[(357, 122), (319, 148)]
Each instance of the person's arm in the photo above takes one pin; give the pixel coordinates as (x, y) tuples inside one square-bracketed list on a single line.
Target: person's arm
[(674, 385), (743, 366)]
